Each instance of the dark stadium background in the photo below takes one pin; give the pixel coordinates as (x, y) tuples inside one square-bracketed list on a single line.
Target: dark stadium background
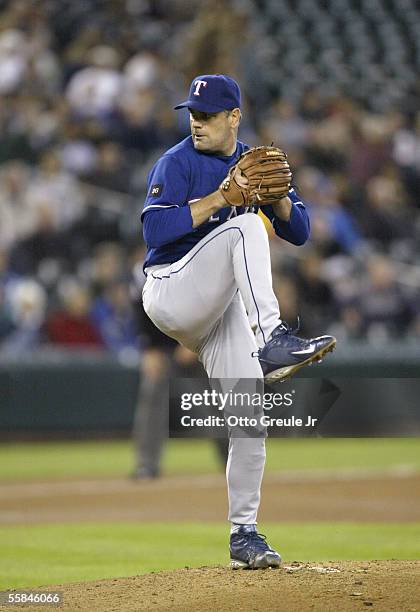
[(86, 96)]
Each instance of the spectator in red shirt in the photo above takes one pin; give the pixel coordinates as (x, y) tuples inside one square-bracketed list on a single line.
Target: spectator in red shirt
[(71, 325)]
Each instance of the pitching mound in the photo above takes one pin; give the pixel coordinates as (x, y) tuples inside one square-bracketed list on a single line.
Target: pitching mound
[(296, 587)]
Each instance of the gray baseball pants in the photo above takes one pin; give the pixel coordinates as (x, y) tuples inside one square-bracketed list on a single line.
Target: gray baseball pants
[(218, 301)]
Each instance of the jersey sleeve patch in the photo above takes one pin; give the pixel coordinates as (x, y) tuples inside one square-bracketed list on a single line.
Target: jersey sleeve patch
[(155, 190)]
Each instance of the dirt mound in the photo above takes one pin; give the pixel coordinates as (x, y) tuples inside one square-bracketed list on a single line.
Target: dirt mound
[(296, 587)]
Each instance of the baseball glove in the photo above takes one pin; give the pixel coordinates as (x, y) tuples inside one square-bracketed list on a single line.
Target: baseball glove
[(267, 177)]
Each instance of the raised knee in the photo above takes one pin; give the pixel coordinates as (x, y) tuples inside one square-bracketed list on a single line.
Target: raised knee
[(250, 220)]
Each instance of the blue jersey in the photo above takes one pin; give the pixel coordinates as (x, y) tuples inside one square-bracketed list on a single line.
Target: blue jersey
[(184, 175)]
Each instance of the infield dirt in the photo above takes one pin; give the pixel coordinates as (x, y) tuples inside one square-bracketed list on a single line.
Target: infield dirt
[(326, 587), (296, 587), (376, 497)]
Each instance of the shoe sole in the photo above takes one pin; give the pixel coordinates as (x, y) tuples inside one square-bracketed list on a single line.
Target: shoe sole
[(260, 562), (288, 371)]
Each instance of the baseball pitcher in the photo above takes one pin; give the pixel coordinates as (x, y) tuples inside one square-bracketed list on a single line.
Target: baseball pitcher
[(208, 271)]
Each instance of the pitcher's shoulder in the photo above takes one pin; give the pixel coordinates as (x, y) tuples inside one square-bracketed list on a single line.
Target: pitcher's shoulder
[(183, 147)]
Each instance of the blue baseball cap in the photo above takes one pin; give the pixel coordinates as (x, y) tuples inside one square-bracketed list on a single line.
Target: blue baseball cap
[(212, 93)]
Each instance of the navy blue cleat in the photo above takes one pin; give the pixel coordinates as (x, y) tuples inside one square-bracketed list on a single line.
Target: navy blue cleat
[(249, 550), (284, 354)]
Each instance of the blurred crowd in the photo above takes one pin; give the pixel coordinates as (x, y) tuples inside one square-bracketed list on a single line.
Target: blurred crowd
[(86, 97)]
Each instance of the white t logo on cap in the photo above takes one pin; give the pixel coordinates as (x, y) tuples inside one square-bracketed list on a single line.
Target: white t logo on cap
[(198, 84)]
